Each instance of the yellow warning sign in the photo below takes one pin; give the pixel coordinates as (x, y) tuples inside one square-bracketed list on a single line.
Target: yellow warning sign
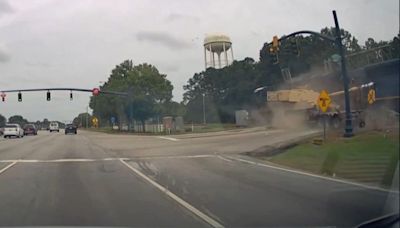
[(371, 96), (95, 122), (324, 101)]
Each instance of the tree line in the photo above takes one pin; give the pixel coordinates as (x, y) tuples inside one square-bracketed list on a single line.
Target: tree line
[(18, 119), (222, 91)]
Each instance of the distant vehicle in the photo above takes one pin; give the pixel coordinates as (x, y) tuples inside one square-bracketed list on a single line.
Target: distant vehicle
[(54, 127), (30, 129), (70, 128), (1, 130), (13, 130)]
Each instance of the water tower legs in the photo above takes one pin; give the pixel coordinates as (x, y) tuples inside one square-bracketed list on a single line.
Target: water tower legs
[(226, 54)]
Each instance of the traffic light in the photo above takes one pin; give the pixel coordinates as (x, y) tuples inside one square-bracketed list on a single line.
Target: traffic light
[(19, 96), (275, 43), (48, 96), (273, 56), (3, 97), (95, 91), (70, 95), (294, 47)]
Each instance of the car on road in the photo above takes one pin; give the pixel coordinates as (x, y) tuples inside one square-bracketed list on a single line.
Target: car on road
[(1, 130), (15, 130), (30, 129), (54, 127), (71, 129)]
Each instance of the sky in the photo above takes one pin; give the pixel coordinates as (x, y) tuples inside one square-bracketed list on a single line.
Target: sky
[(76, 43)]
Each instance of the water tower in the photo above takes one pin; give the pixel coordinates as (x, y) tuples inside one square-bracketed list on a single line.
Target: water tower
[(214, 46)]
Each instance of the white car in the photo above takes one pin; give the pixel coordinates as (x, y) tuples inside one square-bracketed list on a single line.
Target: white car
[(13, 130), (54, 127)]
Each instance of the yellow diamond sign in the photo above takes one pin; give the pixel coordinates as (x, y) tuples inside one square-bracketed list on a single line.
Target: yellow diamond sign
[(95, 121), (371, 96), (324, 101)]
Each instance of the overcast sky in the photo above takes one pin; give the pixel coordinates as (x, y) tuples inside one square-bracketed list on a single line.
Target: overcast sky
[(76, 43)]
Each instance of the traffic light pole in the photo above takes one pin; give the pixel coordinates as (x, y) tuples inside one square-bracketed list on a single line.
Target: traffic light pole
[(348, 128), (338, 42)]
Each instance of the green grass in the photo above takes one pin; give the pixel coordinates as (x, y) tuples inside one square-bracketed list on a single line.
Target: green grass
[(359, 158)]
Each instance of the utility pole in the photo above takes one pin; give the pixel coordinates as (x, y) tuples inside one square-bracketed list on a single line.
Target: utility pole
[(204, 111), (348, 128), (87, 116)]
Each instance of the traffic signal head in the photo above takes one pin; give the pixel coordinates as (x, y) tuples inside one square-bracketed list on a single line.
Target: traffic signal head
[(48, 96), (275, 42), (274, 59), (294, 47), (95, 91), (3, 97), (19, 96)]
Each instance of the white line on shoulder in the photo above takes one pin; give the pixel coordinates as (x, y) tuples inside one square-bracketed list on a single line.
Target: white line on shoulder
[(313, 175), (183, 203), (168, 138)]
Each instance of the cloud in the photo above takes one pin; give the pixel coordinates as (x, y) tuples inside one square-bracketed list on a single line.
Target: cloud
[(4, 55), (5, 7), (181, 17), (163, 38), (37, 64)]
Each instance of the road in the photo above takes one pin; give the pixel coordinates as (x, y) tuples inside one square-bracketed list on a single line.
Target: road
[(184, 181)]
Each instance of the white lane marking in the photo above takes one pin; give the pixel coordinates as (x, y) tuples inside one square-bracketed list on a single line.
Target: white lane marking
[(177, 156), (183, 203), (61, 160), (225, 159), (7, 167), (314, 175), (168, 138), (102, 159)]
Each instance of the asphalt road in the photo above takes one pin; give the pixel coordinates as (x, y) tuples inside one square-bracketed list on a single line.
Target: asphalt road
[(188, 181)]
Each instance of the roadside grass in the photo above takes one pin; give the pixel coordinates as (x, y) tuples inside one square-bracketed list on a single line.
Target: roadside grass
[(369, 157)]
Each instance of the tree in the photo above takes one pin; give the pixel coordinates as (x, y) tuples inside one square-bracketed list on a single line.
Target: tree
[(82, 119), (148, 92), (3, 121), (225, 90), (395, 46), (17, 119)]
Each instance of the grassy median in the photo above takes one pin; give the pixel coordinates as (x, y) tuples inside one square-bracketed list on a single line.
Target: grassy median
[(370, 157)]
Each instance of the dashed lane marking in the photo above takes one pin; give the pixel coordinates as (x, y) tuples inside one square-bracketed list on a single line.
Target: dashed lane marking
[(182, 202)]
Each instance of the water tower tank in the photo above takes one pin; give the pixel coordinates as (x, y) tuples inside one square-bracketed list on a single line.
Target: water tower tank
[(215, 45)]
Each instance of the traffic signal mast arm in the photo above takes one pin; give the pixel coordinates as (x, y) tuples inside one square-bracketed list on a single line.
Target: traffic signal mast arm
[(65, 89), (303, 32)]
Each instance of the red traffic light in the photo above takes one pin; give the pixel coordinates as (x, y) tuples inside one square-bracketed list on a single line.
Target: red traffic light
[(95, 91), (3, 97)]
